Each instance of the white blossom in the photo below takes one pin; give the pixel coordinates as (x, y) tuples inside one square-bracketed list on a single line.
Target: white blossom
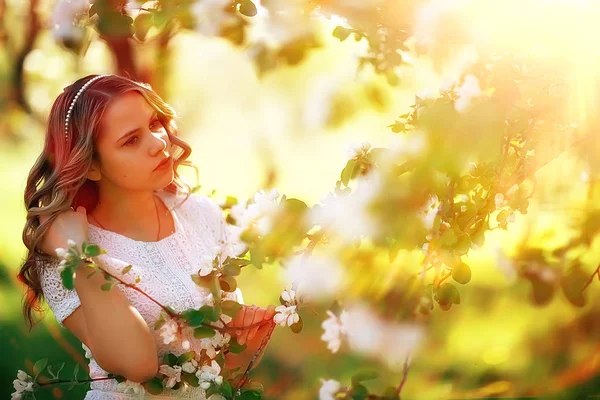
[(430, 211), (190, 366), (22, 375), (328, 389), (320, 96), (333, 331), (61, 253), (206, 265), (169, 331), (211, 16), (71, 243), (289, 296), (466, 92), (504, 263), (260, 213), (285, 21), (215, 342), (130, 386), (286, 315), (350, 216), (208, 374), (61, 266), (358, 150), (316, 277), (173, 374), (23, 383), (373, 336)]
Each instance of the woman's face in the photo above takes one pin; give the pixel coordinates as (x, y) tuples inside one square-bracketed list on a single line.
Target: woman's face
[(131, 144)]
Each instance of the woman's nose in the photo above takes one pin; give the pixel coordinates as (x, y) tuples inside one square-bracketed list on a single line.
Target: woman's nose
[(159, 143)]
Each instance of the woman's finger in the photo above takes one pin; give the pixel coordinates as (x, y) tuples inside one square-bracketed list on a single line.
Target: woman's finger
[(270, 313)]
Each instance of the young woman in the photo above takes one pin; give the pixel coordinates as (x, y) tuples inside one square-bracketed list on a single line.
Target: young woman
[(108, 174)]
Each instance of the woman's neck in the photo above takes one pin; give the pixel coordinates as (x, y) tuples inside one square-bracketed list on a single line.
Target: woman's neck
[(126, 211)]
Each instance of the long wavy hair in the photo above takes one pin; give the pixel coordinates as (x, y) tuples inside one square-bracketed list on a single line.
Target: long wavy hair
[(58, 179)]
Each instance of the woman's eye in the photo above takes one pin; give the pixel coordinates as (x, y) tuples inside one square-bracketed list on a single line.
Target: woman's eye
[(131, 141)]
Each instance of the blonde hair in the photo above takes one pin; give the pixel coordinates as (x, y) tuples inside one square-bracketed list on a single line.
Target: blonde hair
[(58, 179)]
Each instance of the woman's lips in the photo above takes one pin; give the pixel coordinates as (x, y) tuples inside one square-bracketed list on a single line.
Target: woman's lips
[(163, 163)]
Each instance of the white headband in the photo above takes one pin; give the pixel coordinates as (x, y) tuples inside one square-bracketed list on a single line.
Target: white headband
[(88, 83)]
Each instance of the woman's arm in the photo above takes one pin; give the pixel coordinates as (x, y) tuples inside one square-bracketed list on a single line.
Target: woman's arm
[(117, 335)]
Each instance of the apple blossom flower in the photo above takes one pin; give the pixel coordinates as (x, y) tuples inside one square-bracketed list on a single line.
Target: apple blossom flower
[(23, 383), (328, 389), (211, 16), (286, 315), (190, 366), (169, 331), (208, 374), (315, 277), (173, 374), (333, 331), (130, 386), (359, 150)]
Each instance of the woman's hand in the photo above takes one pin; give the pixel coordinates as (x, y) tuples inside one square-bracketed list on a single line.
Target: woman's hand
[(67, 225), (252, 316)]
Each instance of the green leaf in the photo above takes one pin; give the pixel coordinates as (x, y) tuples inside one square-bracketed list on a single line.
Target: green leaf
[(249, 395), (364, 376), (573, 285), (359, 392), (297, 327), (153, 386), (193, 317), (170, 359), (126, 269), (39, 366), (203, 281), (543, 292), (106, 286), (92, 250), (142, 25), (231, 270), (347, 172), (204, 332), (448, 238), (235, 347), (247, 8), (341, 33), (190, 379), (186, 357), (230, 308), (461, 273), (68, 278), (210, 313), (226, 390), (159, 322), (228, 283), (447, 293), (256, 257), (255, 386)]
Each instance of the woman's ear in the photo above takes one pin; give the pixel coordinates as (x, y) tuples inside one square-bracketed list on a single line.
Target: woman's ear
[(94, 172)]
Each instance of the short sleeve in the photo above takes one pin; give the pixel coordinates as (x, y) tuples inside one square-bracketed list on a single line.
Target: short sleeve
[(61, 300), (227, 236)]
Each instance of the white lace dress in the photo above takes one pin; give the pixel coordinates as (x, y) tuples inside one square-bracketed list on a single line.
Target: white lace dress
[(165, 267)]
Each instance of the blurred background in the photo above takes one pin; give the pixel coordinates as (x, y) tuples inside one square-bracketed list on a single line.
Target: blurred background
[(272, 98)]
